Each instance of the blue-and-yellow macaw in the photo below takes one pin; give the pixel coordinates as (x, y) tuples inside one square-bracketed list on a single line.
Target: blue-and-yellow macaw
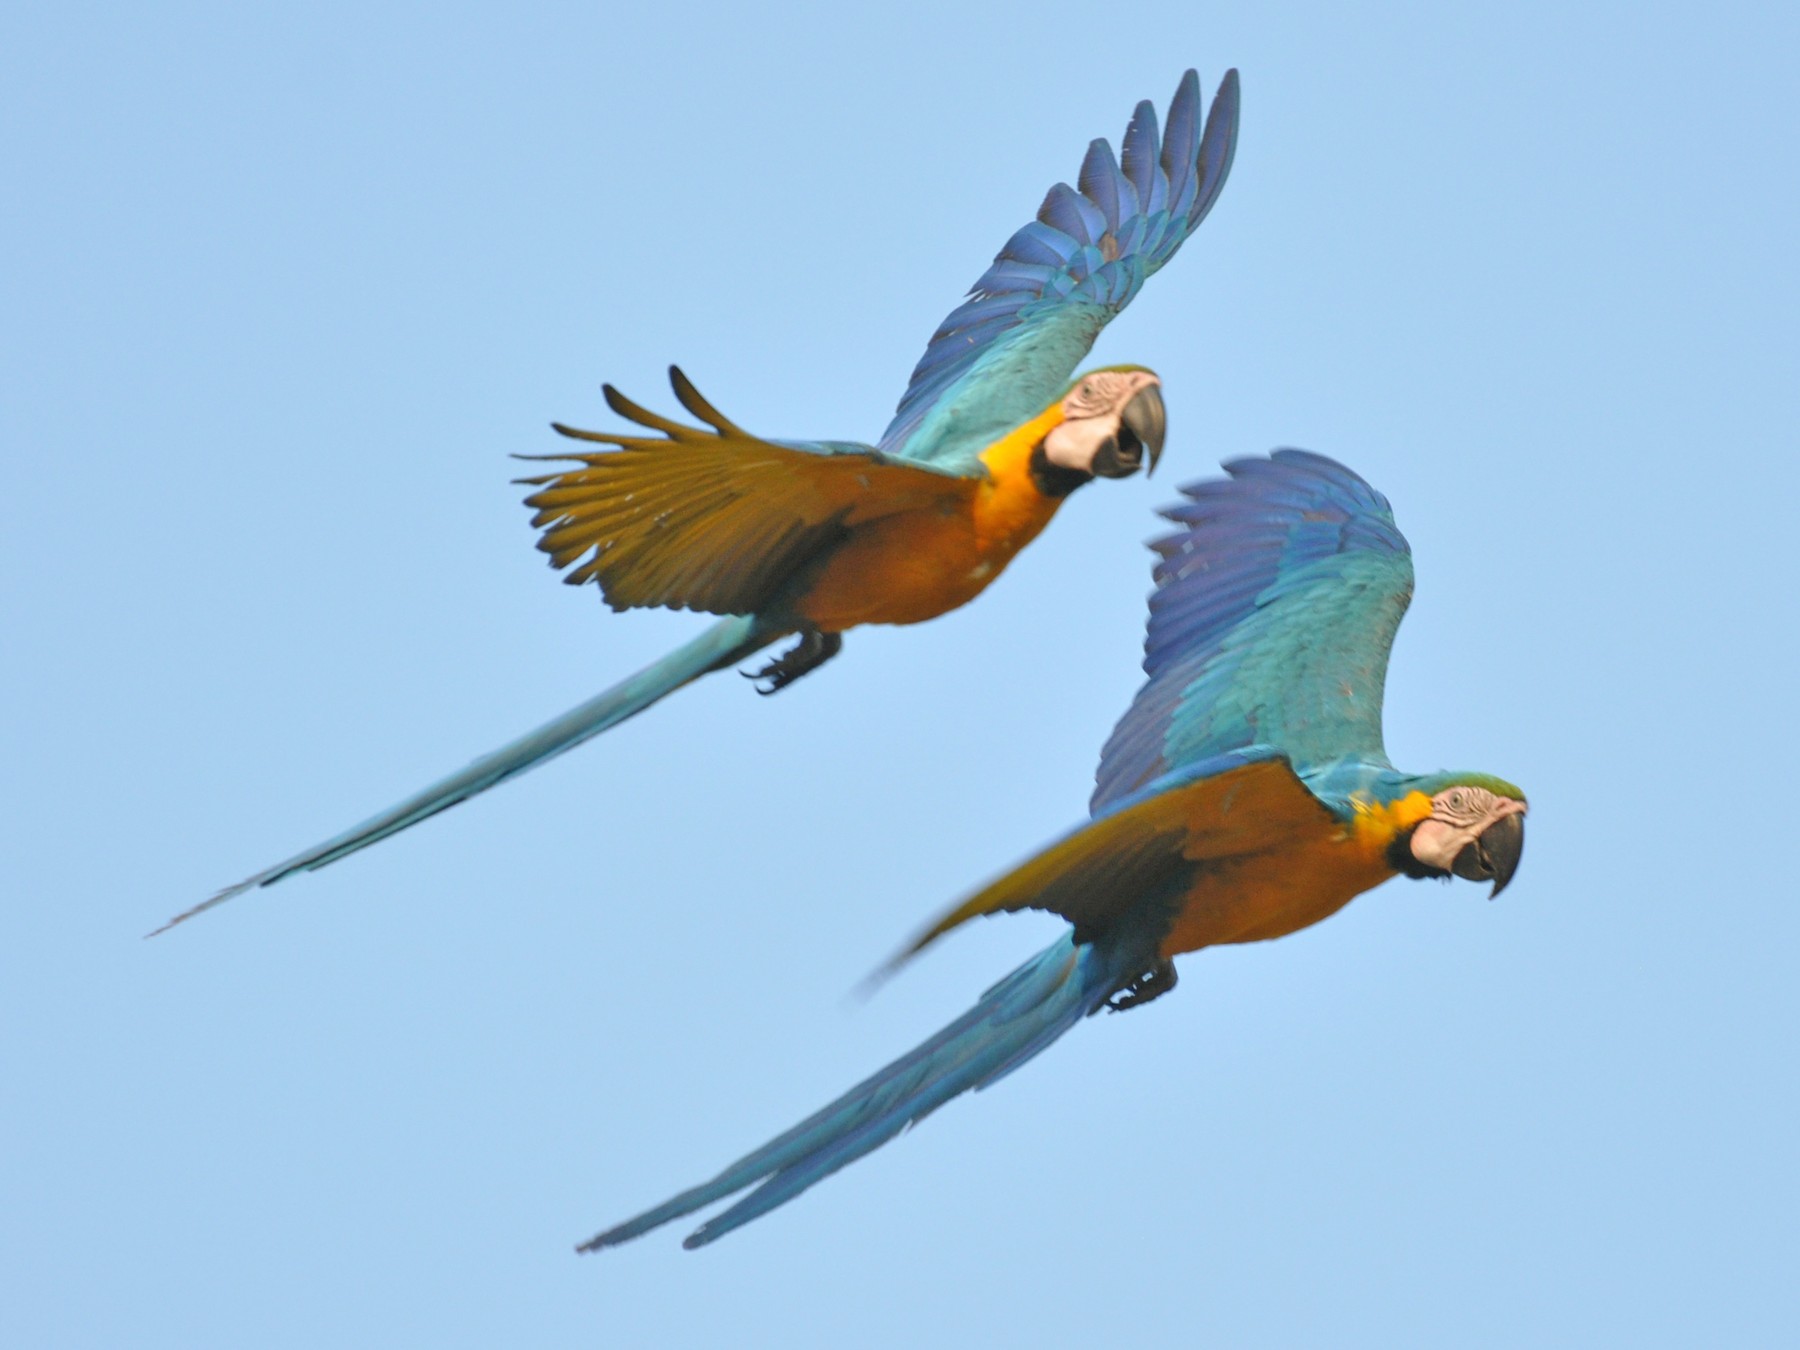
[(811, 538), (1244, 795)]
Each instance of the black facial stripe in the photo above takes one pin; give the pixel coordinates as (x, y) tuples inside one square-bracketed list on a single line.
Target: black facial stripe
[(1053, 480), (1400, 858)]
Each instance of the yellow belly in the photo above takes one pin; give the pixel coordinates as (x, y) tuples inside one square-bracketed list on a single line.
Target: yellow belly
[(912, 567), (1271, 895)]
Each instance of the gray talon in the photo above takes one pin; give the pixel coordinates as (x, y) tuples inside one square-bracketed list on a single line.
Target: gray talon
[(813, 650), (1146, 988)]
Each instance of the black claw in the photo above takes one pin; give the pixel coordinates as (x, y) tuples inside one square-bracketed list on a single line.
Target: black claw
[(1146, 988), (813, 650)]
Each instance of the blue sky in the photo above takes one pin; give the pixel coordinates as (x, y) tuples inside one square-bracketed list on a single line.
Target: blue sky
[(283, 291)]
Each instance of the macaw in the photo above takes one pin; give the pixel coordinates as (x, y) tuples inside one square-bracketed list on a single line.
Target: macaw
[(1243, 796), (809, 538)]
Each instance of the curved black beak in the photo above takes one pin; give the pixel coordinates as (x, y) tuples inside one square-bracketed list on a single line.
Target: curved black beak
[(1494, 855), (1148, 419), (1143, 425)]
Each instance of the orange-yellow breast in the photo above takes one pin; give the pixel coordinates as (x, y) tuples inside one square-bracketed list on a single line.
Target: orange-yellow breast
[(915, 566), (1269, 895)]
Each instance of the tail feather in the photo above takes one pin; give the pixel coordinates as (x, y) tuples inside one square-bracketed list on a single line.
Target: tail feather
[(1012, 1022), (730, 640)]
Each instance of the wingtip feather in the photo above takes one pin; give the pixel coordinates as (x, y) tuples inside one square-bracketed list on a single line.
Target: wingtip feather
[(701, 407)]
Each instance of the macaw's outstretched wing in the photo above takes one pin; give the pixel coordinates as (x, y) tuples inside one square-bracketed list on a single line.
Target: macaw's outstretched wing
[(1271, 622), (1134, 864), (713, 518), (1007, 352)]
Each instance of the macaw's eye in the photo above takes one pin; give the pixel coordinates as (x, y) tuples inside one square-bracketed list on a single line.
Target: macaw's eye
[(1087, 389), (1456, 801)]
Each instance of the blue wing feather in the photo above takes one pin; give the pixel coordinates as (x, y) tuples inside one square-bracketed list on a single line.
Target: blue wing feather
[(1009, 274), (1037, 242), (982, 308), (1271, 622), (1067, 210), (1103, 184), (993, 364), (1183, 128), (1140, 158)]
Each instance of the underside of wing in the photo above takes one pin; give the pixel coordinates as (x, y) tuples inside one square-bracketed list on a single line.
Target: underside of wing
[(712, 518), (1007, 352), (1274, 612), (1135, 862)]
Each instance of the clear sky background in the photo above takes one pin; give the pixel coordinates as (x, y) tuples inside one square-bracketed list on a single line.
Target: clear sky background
[(283, 290)]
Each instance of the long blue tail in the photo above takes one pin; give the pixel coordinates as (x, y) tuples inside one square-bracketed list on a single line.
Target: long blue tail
[(1014, 1020), (727, 641)]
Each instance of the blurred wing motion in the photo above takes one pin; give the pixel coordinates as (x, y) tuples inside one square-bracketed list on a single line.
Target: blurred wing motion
[(1271, 622), (1008, 350), (713, 518)]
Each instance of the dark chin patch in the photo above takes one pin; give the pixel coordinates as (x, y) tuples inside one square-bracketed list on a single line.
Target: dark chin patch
[(1119, 456), (1053, 480), (1400, 858)]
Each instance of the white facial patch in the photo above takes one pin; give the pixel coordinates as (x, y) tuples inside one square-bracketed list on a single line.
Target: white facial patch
[(1459, 816), (1093, 413)]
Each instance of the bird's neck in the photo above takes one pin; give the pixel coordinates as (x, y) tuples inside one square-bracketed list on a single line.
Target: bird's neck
[(1014, 503), (1018, 458)]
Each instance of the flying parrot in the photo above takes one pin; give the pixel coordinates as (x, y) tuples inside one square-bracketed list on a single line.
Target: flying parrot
[(1243, 796), (809, 538)]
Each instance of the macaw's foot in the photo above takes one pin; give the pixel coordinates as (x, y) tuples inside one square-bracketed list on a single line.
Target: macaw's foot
[(813, 650), (1152, 984)]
